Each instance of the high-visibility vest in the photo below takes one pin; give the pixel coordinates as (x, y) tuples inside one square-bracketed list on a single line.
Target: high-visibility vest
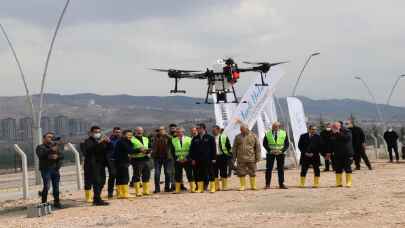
[(223, 139), (137, 144), (279, 144), (181, 150)]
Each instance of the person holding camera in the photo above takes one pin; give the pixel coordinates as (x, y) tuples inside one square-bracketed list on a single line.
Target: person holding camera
[(50, 161), (96, 148), (140, 159), (276, 144)]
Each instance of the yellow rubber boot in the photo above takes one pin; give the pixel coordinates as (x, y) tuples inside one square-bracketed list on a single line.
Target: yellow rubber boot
[(88, 196), (253, 185), (224, 184), (217, 186), (200, 186), (242, 183), (138, 191), (119, 191), (145, 186), (316, 182), (339, 180), (302, 182), (178, 187), (348, 180), (212, 187), (192, 187)]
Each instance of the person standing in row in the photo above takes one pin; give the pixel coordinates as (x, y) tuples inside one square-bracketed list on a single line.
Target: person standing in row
[(193, 132), (391, 138), (276, 144), (224, 155), (123, 150), (359, 145), (342, 148), (112, 171), (203, 155), (50, 161), (246, 153), (310, 147), (140, 161), (326, 149), (162, 157), (96, 149), (180, 145)]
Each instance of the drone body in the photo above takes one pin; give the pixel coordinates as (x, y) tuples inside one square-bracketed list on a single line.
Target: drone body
[(220, 80)]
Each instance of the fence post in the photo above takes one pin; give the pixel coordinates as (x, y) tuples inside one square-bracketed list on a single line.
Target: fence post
[(78, 167), (375, 146), (24, 170)]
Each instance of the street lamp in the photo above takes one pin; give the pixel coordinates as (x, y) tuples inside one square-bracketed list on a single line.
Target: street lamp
[(372, 96), (393, 88), (36, 116), (302, 71)]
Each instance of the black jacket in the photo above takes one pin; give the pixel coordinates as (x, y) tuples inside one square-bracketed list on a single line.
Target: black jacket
[(391, 138), (43, 151), (341, 144), (95, 152), (203, 148), (326, 142), (358, 138), (123, 148), (312, 145)]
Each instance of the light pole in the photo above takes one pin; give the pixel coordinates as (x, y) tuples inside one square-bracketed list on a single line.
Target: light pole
[(36, 116), (302, 71), (393, 88), (373, 97)]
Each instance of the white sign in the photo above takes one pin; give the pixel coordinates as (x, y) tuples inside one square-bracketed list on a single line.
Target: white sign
[(298, 121), (253, 102)]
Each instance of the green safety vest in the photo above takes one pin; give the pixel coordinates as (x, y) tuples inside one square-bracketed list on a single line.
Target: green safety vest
[(181, 150), (279, 144), (223, 138), (137, 144)]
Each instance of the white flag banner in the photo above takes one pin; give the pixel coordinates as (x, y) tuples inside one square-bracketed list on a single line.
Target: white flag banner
[(253, 102), (297, 120), (261, 128)]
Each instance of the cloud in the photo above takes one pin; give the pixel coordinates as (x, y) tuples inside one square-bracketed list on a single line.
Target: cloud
[(107, 48)]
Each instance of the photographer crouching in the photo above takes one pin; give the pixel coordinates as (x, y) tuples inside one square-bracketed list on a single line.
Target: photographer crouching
[(50, 161)]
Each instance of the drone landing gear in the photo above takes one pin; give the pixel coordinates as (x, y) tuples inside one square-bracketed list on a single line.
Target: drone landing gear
[(262, 77)]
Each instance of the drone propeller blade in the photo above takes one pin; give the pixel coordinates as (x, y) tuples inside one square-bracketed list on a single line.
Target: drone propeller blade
[(254, 63), (161, 70), (175, 70), (278, 63)]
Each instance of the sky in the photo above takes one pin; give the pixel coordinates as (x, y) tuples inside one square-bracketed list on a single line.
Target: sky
[(108, 46)]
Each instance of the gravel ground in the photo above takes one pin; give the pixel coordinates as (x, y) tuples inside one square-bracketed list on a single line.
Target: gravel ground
[(377, 199)]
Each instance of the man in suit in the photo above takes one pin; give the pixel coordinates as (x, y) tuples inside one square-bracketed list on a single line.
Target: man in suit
[(310, 147)]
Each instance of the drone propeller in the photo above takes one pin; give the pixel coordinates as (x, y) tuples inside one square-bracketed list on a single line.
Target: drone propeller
[(255, 63), (175, 70)]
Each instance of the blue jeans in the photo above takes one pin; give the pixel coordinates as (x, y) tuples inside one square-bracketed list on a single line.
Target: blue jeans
[(168, 170), (50, 175)]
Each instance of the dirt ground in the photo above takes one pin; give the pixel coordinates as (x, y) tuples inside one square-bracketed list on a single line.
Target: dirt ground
[(377, 199)]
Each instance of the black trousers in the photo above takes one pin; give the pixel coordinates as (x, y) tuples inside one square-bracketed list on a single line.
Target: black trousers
[(98, 179), (88, 175), (343, 164), (270, 158), (221, 166), (305, 166), (203, 171), (142, 170), (329, 163), (395, 149), (359, 154), (112, 173), (179, 167), (122, 177)]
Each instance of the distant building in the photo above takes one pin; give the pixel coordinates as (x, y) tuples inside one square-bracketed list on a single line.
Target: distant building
[(9, 128), (25, 127), (46, 124), (74, 127), (61, 125)]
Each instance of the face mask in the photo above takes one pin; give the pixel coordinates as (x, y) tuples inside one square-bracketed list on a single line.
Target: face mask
[(97, 135), (390, 130), (328, 129)]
